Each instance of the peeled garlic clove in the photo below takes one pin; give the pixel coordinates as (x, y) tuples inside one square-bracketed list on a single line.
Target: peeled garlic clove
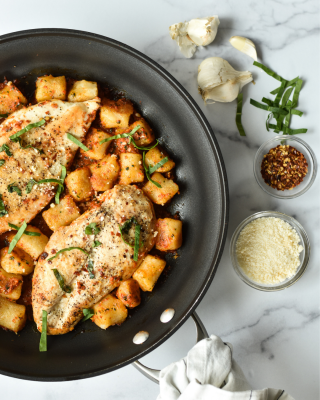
[(245, 45), (218, 81)]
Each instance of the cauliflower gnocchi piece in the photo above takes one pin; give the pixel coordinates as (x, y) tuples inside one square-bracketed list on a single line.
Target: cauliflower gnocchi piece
[(116, 114), (61, 214), (11, 99), (149, 271), (17, 262), (160, 195), (12, 316), (10, 285), (169, 234), (92, 141), (109, 311), (144, 134), (104, 173), (154, 156), (131, 168), (79, 184), (129, 293), (83, 91), (50, 87)]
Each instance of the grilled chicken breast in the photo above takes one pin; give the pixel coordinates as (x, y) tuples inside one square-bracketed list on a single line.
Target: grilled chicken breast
[(112, 260), (54, 150)]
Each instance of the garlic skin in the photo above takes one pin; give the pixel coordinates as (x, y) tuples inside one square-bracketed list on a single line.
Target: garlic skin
[(245, 45), (196, 32), (218, 81)]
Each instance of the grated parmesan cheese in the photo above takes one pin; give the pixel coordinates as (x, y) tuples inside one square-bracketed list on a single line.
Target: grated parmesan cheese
[(268, 250)]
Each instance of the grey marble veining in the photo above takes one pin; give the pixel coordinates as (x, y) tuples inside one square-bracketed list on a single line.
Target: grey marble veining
[(275, 336)]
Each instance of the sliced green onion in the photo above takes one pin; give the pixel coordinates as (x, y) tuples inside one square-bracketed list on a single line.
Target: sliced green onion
[(147, 172), (122, 135), (62, 178), (2, 162), (136, 242), (6, 148), (96, 243), (268, 108), (61, 281), (286, 97), (267, 101), (158, 165), (68, 249), (3, 210), (77, 142), (296, 93), (88, 313), (238, 115), (279, 94), (296, 112), (12, 188), (90, 269), (17, 236), (33, 182), (14, 138), (28, 233), (92, 229), (4, 115), (43, 338), (269, 71)]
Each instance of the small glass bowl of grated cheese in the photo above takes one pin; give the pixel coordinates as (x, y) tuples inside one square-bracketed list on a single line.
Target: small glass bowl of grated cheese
[(270, 251)]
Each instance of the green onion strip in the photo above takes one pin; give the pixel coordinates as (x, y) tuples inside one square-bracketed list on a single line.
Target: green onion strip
[(43, 338), (61, 281), (28, 233), (17, 236), (68, 249), (77, 142)]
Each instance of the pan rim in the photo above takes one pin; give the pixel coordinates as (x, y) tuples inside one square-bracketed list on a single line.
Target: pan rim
[(217, 254)]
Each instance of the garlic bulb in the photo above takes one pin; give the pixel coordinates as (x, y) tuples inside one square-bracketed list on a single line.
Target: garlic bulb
[(245, 45), (197, 32), (218, 81)]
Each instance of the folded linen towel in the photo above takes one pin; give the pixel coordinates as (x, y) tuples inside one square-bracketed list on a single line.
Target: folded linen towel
[(209, 373)]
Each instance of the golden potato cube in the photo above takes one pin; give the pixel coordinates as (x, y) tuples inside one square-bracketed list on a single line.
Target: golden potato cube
[(104, 173), (160, 195), (61, 214), (149, 271), (83, 91), (144, 134), (154, 156), (131, 168), (116, 114), (109, 311), (17, 262), (12, 316), (10, 98), (49, 87), (169, 234), (32, 245), (96, 150), (129, 293), (10, 285), (79, 185)]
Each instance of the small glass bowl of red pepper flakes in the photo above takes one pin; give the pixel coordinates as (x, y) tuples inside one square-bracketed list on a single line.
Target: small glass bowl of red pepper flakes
[(285, 167)]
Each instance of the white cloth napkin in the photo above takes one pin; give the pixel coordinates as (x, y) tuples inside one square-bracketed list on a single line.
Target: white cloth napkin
[(209, 373)]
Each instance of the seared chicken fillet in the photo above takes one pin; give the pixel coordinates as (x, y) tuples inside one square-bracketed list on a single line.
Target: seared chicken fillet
[(112, 260), (54, 150)]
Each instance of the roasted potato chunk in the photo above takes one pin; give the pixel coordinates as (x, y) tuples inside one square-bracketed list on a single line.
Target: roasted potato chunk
[(169, 234), (116, 114), (149, 271), (12, 316), (104, 173), (49, 87), (17, 262), (61, 214), (96, 150), (79, 184), (11, 99), (109, 311), (10, 285), (83, 91), (131, 168), (129, 293), (160, 195), (32, 245), (154, 156)]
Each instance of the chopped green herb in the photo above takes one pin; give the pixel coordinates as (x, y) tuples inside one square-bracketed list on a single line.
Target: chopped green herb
[(136, 242), (90, 269), (3, 210), (124, 230), (62, 178), (96, 243), (2, 162), (158, 165), (238, 115), (33, 182), (17, 236), (147, 169), (88, 313), (12, 188), (77, 142), (68, 249), (6, 148), (122, 135), (43, 338), (28, 233), (92, 229), (269, 71), (61, 282), (14, 138)]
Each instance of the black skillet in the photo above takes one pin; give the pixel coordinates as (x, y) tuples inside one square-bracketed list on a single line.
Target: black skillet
[(203, 203)]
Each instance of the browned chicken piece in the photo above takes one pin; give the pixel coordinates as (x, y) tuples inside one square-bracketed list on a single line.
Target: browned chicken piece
[(112, 260), (39, 155)]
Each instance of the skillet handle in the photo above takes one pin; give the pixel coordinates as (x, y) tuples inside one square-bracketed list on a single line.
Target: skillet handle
[(154, 374)]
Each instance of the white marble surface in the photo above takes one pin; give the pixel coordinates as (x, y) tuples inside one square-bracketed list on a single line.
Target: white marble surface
[(275, 336)]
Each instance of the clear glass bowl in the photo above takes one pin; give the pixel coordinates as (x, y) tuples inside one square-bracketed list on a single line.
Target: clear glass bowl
[(301, 146), (304, 255)]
